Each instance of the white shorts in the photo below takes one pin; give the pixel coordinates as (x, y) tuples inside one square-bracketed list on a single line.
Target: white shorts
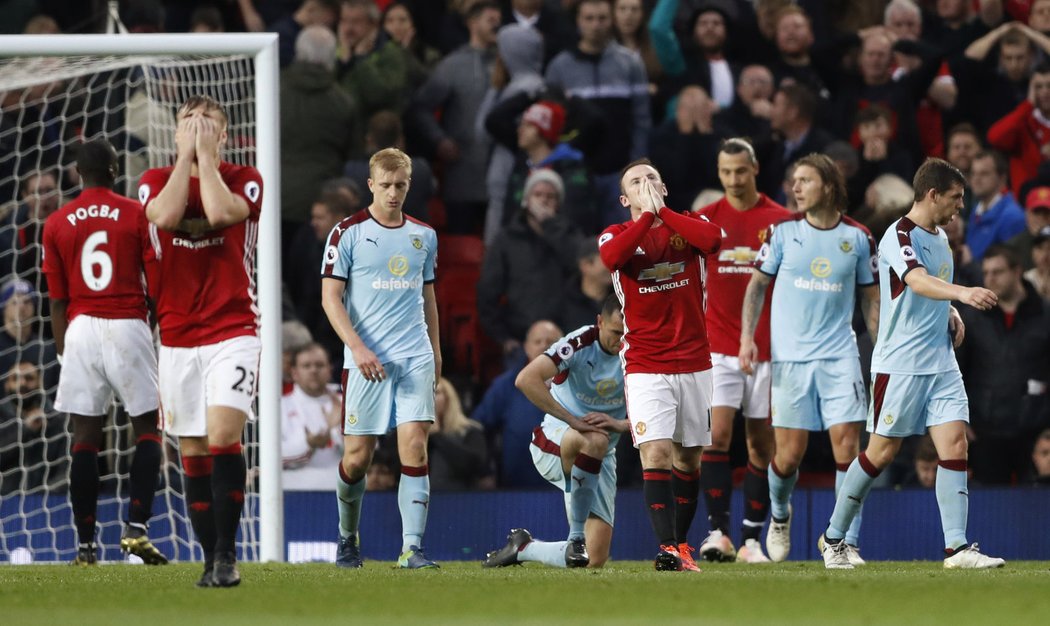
[(218, 374), (734, 388), (670, 406), (104, 357)]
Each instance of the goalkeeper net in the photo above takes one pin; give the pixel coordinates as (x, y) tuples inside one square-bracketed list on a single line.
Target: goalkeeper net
[(48, 105)]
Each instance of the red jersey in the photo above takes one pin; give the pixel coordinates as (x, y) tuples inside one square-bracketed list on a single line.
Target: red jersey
[(658, 274), (729, 272), (95, 249), (205, 283)]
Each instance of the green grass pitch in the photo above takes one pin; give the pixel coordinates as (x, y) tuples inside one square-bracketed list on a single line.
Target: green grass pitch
[(464, 593)]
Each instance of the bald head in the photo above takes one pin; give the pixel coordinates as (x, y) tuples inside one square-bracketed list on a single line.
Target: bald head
[(316, 44), (541, 335)]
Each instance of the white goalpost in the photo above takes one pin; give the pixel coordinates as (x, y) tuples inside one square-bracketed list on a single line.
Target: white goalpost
[(58, 90)]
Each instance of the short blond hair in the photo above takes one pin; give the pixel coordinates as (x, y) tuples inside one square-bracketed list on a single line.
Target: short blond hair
[(389, 160)]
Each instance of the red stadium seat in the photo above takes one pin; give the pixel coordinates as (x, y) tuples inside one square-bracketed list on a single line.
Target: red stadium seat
[(459, 267)]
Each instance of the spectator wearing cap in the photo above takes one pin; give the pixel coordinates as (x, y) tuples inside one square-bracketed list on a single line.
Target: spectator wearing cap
[(1004, 363), (1036, 217), (585, 291), (996, 216), (703, 61), (1024, 133), (518, 70), (540, 147), (21, 339), (527, 262), (614, 80), (685, 148), (1039, 274)]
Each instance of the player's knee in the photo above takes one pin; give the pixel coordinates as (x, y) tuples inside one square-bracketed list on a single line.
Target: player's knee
[(786, 462), (356, 462), (595, 444), (145, 424)]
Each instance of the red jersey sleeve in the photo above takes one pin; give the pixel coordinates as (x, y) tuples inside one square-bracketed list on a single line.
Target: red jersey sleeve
[(247, 183), (696, 229), (617, 244), (150, 185), (57, 287)]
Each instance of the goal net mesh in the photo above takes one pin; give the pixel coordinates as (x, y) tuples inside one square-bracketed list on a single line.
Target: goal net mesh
[(48, 105)]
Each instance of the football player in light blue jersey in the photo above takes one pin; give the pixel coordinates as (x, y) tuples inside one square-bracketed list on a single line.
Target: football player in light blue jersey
[(377, 291), (820, 259), (575, 447), (916, 381)]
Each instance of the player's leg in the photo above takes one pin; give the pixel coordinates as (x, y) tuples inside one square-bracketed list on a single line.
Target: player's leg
[(760, 438), (83, 483), (692, 433), (197, 466), (791, 446), (413, 387), (349, 493), (599, 539), (581, 456), (143, 476), (948, 413), (845, 447)]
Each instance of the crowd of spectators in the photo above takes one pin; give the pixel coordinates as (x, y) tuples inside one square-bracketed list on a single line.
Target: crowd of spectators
[(518, 116)]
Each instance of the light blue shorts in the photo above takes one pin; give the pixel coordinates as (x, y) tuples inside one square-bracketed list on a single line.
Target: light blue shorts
[(546, 456), (907, 404), (405, 395), (816, 395)]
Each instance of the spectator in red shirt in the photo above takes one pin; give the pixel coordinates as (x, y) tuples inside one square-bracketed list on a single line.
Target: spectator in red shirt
[(1025, 132)]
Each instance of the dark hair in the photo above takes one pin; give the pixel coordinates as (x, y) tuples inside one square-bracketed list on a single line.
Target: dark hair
[(1014, 37), (830, 175), (1002, 167), (802, 98), (97, 163), (1013, 260), (937, 175), (206, 101), (209, 17), (337, 203), (385, 129), (738, 145), (963, 128), (873, 113), (587, 249), (611, 305), (1042, 67), (307, 347), (641, 161), (478, 8)]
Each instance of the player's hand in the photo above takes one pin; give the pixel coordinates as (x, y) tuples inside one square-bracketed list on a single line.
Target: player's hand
[(956, 326), (656, 196), (980, 298), (584, 426), (368, 364), (185, 138), (606, 422), (207, 137), (748, 356), (317, 440)]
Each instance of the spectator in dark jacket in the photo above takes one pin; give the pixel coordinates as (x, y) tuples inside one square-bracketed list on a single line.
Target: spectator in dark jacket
[(526, 263), (322, 13), (1005, 362), (33, 439), (879, 152), (385, 131), (793, 136), (319, 126), (685, 148), (748, 116), (586, 290), (456, 451)]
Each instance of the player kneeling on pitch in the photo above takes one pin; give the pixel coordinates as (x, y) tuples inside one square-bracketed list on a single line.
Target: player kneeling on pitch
[(575, 447), (94, 255)]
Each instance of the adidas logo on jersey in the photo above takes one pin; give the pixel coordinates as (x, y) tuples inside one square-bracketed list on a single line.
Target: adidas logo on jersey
[(82, 213), (817, 285)]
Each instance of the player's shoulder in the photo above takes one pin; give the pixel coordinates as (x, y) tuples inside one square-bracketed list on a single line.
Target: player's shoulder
[(420, 225), (611, 231), (576, 341), (771, 207), (156, 174), (854, 225), (789, 222), (234, 171)]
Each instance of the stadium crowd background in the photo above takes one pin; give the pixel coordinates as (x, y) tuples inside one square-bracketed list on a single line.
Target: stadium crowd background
[(519, 115)]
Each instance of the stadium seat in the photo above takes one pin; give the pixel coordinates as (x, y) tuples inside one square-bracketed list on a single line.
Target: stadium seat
[(459, 267)]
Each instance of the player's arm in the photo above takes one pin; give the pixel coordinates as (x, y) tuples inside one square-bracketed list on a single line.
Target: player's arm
[(936, 289), (167, 208), (956, 326), (59, 323), (532, 381), (870, 304), (222, 207), (332, 302), (697, 230), (430, 315), (754, 298), (616, 249)]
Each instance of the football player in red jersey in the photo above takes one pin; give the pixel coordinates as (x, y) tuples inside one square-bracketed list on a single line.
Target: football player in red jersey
[(744, 215), (95, 249), (204, 215), (658, 275)]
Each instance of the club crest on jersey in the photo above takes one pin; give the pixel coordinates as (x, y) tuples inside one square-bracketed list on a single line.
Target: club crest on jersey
[(417, 241), (677, 242), (662, 271), (639, 428), (606, 387), (764, 234), (252, 190), (944, 273), (820, 267), (331, 253), (398, 265), (845, 246)]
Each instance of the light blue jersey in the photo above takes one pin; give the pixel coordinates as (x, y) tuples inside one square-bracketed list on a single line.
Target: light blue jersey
[(817, 272), (913, 330), (589, 378), (385, 270)]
